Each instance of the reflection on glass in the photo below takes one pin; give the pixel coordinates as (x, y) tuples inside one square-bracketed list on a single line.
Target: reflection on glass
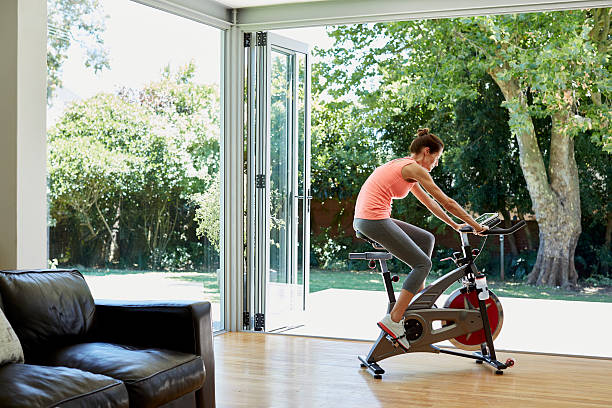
[(280, 162)]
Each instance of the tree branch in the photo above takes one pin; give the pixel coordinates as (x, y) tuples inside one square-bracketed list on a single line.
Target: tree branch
[(473, 44), (108, 228)]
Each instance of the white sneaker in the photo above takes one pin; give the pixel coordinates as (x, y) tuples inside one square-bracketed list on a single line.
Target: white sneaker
[(397, 331)]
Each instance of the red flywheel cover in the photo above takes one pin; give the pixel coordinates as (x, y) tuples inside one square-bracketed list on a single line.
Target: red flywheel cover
[(472, 341)]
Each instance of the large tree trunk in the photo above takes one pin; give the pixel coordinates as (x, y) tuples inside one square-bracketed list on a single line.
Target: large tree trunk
[(556, 204), (553, 266)]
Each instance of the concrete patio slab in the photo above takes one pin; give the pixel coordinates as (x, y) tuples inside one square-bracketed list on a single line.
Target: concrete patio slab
[(531, 325)]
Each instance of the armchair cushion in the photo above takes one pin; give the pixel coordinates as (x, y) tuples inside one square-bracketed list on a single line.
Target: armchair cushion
[(31, 386), (152, 376)]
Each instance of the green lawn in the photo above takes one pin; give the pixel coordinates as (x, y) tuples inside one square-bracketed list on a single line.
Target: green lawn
[(366, 280)]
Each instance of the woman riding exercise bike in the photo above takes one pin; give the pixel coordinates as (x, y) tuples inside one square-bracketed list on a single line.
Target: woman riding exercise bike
[(407, 242)]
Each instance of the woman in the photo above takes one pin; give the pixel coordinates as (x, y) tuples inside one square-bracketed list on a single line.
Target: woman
[(411, 244)]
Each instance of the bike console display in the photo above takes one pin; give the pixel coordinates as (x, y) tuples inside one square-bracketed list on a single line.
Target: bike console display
[(488, 219)]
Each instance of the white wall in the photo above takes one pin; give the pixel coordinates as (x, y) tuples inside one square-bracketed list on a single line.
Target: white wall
[(23, 76)]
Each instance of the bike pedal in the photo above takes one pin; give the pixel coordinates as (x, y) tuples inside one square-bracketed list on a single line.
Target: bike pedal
[(392, 341)]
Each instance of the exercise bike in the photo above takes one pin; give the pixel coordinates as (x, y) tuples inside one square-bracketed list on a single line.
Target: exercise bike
[(471, 318)]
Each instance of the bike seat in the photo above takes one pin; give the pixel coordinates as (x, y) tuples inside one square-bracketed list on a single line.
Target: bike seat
[(375, 244)]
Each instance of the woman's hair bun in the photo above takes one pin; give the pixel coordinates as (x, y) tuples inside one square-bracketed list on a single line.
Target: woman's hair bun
[(423, 132), (425, 139)]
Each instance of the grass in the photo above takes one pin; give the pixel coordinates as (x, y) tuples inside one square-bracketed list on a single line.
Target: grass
[(107, 271), (367, 280)]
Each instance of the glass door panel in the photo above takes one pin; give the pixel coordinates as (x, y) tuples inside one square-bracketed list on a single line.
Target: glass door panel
[(285, 297), (281, 155), (280, 218)]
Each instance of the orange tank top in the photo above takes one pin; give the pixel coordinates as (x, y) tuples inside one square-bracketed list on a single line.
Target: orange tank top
[(384, 184)]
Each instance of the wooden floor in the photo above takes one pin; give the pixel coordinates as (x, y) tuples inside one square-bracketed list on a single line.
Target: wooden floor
[(265, 370)]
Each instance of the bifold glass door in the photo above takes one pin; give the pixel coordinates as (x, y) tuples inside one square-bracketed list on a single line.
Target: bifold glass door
[(278, 177)]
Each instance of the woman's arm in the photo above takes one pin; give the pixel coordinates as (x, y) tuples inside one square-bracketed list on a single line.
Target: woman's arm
[(433, 206), (415, 172)]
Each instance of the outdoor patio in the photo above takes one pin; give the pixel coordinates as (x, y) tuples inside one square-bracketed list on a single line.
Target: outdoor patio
[(530, 325)]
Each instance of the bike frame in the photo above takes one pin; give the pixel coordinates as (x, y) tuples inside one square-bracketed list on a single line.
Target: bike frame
[(422, 312)]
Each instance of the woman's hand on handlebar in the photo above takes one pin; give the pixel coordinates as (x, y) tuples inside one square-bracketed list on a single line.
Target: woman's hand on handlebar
[(482, 229), (478, 231)]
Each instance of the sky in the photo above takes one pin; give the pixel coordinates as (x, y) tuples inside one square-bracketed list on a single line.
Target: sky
[(141, 40)]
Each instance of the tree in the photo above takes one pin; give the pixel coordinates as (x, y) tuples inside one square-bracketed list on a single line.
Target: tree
[(112, 160), (93, 161), (193, 110), (126, 168), (208, 215), (464, 128), (547, 65), (69, 22)]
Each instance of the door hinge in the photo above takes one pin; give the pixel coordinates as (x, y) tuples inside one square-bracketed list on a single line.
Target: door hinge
[(247, 40), (246, 320), (262, 39), (260, 181), (260, 322)]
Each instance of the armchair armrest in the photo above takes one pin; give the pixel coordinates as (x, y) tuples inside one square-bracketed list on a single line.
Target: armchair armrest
[(178, 325)]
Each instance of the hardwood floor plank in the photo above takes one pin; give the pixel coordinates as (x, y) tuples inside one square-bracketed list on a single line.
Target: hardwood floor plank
[(263, 370)]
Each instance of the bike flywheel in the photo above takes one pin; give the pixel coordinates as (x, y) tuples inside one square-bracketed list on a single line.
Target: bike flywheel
[(495, 313)]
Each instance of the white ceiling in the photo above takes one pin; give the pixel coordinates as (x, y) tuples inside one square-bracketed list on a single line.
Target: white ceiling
[(300, 13), (255, 15), (238, 4)]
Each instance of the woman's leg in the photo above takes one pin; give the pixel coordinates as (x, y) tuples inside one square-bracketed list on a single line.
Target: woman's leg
[(425, 240), (410, 244)]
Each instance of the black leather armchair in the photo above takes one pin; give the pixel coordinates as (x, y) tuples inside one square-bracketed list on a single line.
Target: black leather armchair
[(109, 354), (179, 326)]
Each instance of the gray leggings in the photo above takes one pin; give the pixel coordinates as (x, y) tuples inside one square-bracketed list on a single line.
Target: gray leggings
[(410, 244)]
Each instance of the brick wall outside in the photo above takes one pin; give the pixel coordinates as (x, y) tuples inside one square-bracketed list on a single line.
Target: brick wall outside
[(334, 212)]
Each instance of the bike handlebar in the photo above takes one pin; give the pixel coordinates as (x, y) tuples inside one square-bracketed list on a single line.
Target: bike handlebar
[(499, 231)]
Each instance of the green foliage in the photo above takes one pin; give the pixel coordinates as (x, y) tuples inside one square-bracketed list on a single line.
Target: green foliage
[(344, 151), (93, 159), (593, 255), (440, 62), (521, 265), (598, 281), (331, 252), (208, 215), (125, 170), (193, 111), (71, 22), (443, 74), (481, 149), (595, 173)]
